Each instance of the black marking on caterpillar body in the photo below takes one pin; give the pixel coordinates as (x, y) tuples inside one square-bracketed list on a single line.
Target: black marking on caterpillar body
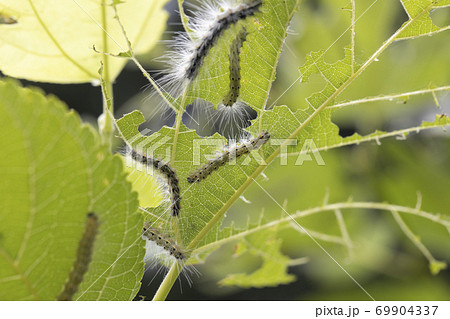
[(228, 156), (235, 69), (209, 40), (171, 175), (83, 258), (161, 240)]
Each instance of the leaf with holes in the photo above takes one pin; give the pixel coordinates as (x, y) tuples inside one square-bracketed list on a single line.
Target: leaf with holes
[(420, 23)]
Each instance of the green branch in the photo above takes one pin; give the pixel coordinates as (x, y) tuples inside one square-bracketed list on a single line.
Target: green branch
[(389, 97)]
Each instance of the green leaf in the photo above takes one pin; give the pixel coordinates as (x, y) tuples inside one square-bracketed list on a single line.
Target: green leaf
[(274, 267), (419, 10), (259, 56), (53, 172), (145, 184), (53, 41)]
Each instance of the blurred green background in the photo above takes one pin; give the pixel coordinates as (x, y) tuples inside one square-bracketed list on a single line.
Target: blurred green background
[(383, 260)]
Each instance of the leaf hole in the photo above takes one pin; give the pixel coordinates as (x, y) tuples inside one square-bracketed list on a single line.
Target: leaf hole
[(225, 120), (441, 17)]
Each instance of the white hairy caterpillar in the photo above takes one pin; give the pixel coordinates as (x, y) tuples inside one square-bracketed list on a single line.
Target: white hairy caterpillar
[(232, 114), (156, 236), (163, 252), (228, 156), (168, 172), (83, 258), (207, 25)]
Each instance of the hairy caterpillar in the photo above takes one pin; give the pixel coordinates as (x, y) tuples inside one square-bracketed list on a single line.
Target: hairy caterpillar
[(232, 114), (155, 236), (228, 156), (83, 258), (207, 25), (163, 252), (235, 69), (169, 173)]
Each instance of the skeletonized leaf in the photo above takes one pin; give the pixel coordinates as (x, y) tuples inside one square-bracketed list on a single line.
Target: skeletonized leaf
[(273, 271), (419, 10)]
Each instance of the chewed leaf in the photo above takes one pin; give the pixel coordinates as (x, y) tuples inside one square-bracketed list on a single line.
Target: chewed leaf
[(53, 41), (419, 10), (267, 30), (273, 271), (144, 183), (200, 201), (323, 134), (54, 171), (334, 74)]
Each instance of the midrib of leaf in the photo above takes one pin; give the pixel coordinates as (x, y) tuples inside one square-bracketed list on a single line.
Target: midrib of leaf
[(55, 42), (242, 234), (274, 69), (105, 42), (376, 137), (108, 107), (178, 125), (333, 207), (175, 270), (389, 97), (184, 18), (353, 34), (412, 237), (431, 33)]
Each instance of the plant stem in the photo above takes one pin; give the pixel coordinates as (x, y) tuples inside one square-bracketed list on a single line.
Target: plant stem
[(168, 282), (178, 124), (353, 34), (390, 97), (107, 127)]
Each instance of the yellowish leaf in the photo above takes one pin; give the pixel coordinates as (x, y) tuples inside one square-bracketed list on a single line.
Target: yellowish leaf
[(53, 40)]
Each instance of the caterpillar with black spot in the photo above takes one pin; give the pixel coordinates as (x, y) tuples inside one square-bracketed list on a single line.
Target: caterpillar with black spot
[(228, 156), (235, 69), (155, 236), (83, 258), (207, 26), (232, 114), (164, 252), (168, 172)]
